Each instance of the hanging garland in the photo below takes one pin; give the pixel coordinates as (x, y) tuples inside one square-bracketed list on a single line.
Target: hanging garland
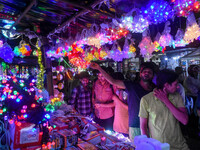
[(40, 77)]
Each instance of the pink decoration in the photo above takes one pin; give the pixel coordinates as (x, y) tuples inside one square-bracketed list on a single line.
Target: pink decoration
[(146, 47), (166, 39)]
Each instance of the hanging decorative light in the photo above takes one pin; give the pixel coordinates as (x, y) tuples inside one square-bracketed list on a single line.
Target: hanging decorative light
[(40, 77), (157, 11), (184, 7)]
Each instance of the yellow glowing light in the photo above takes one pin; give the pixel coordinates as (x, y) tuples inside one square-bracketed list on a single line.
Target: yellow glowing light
[(192, 32), (132, 49)]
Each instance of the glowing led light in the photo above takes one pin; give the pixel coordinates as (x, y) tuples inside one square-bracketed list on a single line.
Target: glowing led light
[(25, 115), (19, 123), (8, 22), (47, 116), (33, 105), (24, 107), (18, 100), (9, 34)]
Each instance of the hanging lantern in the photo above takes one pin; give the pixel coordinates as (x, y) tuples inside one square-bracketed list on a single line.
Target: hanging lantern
[(60, 86), (59, 77)]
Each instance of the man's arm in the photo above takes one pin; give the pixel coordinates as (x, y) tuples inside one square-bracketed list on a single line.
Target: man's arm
[(112, 81), (179, 113), (144, 126), (105, 105), (115, 98)]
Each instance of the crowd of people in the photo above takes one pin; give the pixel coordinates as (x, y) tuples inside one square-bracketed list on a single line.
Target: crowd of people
[(162, 104)]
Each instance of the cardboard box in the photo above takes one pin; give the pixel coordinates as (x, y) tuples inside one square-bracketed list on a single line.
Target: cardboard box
[(86, 145), (24, 135), (68, 138)]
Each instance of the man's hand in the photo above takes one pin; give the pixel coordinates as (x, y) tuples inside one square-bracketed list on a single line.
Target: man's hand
[(97, 105), (94, 65), (161, 95)]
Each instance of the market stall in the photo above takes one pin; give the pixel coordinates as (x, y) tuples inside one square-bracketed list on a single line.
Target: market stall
[(45, 44)]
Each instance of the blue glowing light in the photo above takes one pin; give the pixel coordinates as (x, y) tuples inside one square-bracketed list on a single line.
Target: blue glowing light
[(18, 100), (47, 116), (157, 12), (8, 21)]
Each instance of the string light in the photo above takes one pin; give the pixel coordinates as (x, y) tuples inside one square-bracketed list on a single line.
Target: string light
[(40, 77)]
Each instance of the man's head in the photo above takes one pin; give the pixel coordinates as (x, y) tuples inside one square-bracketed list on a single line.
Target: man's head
[(84, 78), (179, 70), (167, 80), (146, 71), (193, 70)]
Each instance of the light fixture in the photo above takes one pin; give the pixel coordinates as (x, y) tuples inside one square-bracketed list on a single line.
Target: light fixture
[(11, 34)]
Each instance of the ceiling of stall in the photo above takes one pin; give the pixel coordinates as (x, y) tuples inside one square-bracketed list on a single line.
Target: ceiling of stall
[(45, 17)]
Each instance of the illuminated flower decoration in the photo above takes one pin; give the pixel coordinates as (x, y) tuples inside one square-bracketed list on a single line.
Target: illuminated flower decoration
[(146, 47), (95, 41), (116, 55), (184, 7), (127, 22), (179, 42), (96, 55), (158, 47), (89, 57), (79, 62), (6, 53), (103, 54), (132, 49), (22, 50), (112, 34), (157, 11), (16, 51), (25, 49), (136, 25), (166, 38), (51, 53), (192, 30)]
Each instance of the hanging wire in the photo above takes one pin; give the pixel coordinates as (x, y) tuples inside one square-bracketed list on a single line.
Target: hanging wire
[(66, 63)]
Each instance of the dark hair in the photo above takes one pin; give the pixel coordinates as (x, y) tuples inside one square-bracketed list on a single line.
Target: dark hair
[(83, 74), (149, 65), (190, 70), (179, 70), (165, 76), (118, 76)]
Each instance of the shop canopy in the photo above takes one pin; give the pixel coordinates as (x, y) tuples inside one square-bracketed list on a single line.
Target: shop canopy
[(193, 55)]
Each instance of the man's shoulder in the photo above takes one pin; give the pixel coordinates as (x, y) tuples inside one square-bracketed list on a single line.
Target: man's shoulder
[(77, 88), (131, 83), (148, 96)]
